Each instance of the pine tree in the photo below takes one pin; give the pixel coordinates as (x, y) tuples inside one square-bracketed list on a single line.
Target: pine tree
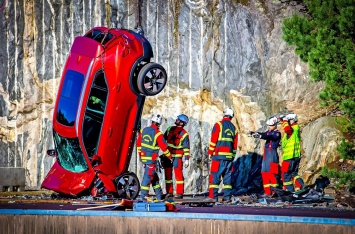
[(324, 38)]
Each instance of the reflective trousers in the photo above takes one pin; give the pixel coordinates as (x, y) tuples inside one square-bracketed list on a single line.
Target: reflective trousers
[(290, 178), (176, 164), (221, 168), (269, 180), (270, 170), (150, 177)]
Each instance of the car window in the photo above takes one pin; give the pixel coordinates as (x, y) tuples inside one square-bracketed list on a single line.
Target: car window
[(99, 36), (98, 95), (69, 153), (69, 98), (94, 114)]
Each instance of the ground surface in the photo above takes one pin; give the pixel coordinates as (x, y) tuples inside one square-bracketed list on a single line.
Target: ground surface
[(47, 200)]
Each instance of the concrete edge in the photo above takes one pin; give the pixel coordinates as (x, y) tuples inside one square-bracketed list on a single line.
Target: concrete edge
[(177, 215)]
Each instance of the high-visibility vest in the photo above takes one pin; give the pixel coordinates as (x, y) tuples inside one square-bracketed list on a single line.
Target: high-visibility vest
[(149, 146), (225, 143), (175, 137), (291, 145)]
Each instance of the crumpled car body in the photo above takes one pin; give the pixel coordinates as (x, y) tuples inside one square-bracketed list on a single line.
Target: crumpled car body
[(97, 113)]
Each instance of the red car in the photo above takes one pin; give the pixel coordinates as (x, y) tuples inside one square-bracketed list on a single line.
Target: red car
[(97, 113)]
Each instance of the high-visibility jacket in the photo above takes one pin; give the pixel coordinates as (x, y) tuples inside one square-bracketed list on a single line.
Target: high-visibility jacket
[(178, 142), (149, 141), (291, 141), (224, 140)]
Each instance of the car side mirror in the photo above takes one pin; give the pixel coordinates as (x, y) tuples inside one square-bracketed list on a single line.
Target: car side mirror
[(52, 152), (96, 160)]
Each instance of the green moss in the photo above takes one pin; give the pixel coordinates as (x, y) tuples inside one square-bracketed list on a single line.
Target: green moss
[(176, 12), (261, 5), (243, 2)]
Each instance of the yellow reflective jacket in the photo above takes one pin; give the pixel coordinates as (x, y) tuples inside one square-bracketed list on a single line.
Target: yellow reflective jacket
[(291, 144)]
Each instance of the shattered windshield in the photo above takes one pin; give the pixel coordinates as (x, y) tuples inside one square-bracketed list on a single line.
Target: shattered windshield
[(70, 156)]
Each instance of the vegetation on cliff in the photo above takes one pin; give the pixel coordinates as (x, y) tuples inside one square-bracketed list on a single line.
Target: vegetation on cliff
[(324, 37)]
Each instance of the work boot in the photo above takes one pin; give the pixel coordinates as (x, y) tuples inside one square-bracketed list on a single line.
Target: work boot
[(227, 201), (167, 196), (264, 195), (143, 198), (179, 196)]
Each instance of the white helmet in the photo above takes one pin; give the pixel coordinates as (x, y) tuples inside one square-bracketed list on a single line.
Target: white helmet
[(157, 118), (292, 116), (228, 112), (272, 121)]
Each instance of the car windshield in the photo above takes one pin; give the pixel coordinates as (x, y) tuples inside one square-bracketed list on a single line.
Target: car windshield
[(69, 153), (69, 98)]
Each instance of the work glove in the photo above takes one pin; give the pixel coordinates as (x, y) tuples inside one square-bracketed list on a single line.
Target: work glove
[(165, 161), (209, 158), (256, 135), (186, 163)]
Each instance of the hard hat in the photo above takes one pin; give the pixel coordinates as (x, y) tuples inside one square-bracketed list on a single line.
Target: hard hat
[(157, 118), (183, 118), (272, 121), (292, 116), (228, 112)]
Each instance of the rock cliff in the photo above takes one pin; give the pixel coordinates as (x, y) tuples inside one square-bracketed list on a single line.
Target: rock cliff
[(217, 53)]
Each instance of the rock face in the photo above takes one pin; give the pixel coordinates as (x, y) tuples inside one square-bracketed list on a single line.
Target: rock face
[(217, 54)]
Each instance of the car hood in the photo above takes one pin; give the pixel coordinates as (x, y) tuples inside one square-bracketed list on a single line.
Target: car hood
[(65, 182)]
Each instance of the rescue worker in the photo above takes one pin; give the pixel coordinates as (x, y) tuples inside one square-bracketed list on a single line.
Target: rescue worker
[(149, 141), (222, 149), (179, 147), (291, 147), (270, 164)]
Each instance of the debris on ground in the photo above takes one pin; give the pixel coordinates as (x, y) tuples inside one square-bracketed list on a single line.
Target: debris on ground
[(310, 198)]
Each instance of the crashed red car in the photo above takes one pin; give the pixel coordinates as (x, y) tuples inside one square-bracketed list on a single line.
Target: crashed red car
[(97, 113)]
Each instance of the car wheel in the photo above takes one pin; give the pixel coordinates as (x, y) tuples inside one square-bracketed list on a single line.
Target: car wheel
[(127, 186), (151, 79)]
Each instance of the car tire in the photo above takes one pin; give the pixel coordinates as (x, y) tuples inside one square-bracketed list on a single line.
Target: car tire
[(127, 186), (152, 79)]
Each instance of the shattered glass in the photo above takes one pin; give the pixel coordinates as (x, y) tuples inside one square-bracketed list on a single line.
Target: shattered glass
[(70, 156)]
